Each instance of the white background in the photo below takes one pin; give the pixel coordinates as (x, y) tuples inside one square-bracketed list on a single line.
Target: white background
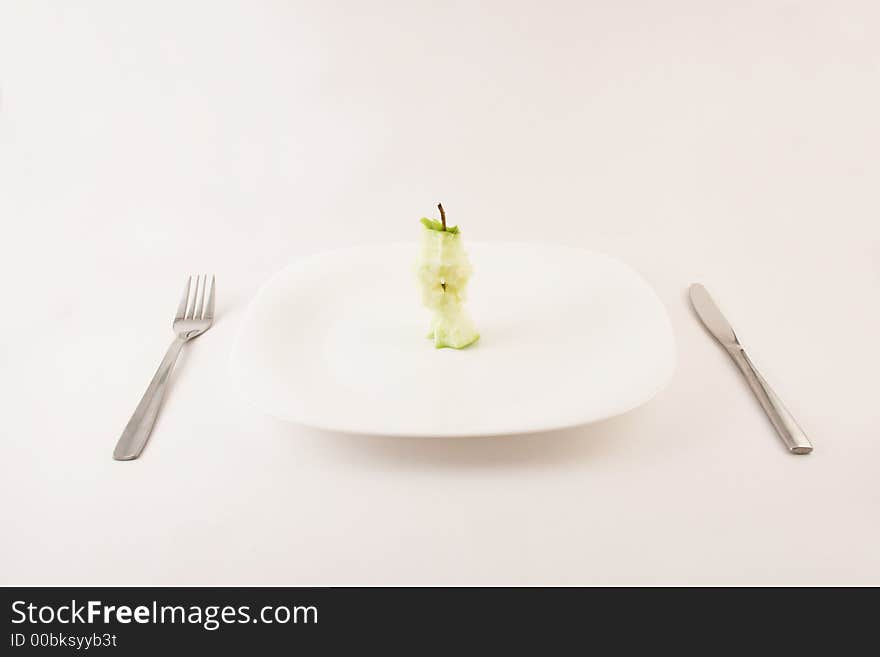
[(736, 144)]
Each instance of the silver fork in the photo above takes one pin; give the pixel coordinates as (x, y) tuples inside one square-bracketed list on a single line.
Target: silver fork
[(192, 319)]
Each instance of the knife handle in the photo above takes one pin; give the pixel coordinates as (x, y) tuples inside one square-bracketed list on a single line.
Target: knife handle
[(792, 435)]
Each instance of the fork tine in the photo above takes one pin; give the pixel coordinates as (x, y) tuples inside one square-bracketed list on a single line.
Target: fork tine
[(198, 289), (209, 309), (201, 297), (195, 293), (181, 309)]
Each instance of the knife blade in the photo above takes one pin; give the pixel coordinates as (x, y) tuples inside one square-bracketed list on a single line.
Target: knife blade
[(711, 316), (792, 435)]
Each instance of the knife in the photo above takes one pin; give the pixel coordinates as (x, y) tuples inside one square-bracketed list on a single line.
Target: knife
[(792, 435)]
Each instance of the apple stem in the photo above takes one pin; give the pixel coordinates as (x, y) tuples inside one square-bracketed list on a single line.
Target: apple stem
[(442, 215)]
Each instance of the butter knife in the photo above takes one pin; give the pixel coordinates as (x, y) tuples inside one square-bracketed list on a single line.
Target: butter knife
[(792, 435)]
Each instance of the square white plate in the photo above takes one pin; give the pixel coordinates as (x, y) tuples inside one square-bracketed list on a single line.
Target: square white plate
[(568, 336)]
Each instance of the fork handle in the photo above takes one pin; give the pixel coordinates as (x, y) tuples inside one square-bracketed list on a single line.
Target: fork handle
[(139, 427)]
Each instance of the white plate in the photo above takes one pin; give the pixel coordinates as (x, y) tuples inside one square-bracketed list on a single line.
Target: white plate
[(337, 341)]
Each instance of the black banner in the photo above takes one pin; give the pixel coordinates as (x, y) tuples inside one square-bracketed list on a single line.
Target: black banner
[(132, 621)]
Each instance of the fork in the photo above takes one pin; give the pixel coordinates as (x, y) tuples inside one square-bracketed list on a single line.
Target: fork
[(192, 319)]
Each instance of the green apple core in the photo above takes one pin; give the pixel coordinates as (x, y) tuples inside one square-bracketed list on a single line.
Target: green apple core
[(443, 271)]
